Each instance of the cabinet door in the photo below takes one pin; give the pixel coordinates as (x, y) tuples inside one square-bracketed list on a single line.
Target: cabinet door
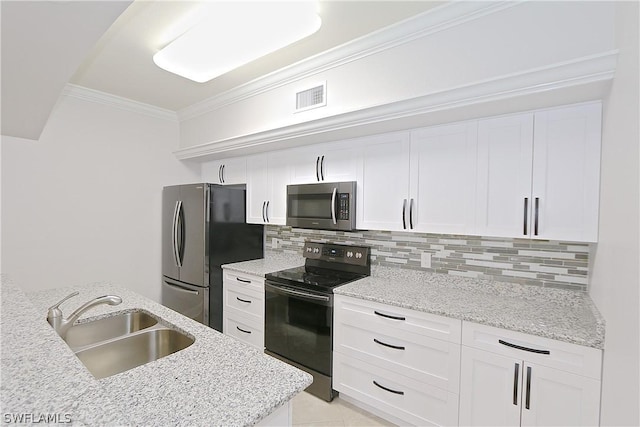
[(490, 389), (383, 182), (257, 188), (212, 172), (566, 173), (558, 398), (443, 178), (305, 165), (503, 195), (339, 161), (277, 181), (234, 171)]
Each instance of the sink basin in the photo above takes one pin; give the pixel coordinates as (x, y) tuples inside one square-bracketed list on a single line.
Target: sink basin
[(108, 328), (114, 357)]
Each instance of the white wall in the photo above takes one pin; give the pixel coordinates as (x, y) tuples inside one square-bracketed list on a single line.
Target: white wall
[(83, 203), (525, 36), (616, 273)]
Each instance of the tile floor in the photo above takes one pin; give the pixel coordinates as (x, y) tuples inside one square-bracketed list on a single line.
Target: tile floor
[(308, 410)]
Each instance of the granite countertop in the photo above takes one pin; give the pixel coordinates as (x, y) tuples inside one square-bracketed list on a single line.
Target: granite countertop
[(273, 261), (558, 314), (216, 381)]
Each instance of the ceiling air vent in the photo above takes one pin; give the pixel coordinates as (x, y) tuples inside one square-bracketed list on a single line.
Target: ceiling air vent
[(312, 98)]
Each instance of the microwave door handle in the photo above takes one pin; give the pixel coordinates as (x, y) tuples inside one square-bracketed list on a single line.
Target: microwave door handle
[(333, 205)]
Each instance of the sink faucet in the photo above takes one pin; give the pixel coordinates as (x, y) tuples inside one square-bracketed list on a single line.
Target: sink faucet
[(62, 325)]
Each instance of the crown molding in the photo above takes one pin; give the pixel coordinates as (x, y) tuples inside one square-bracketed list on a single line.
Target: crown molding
[(103, 98), (432, 21), (588, 72)]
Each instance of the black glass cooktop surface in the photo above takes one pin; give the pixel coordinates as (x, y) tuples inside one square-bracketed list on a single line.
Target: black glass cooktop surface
[(313, 278)]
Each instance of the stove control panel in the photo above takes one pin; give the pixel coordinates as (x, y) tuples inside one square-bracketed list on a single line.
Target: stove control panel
[(346, 254)]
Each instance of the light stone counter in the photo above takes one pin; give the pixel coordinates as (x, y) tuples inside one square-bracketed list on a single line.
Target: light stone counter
[(563, 315), (273, 261), (215, 381)]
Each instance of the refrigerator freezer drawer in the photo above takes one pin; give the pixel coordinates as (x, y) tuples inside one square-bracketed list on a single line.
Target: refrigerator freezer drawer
[(188, 300)]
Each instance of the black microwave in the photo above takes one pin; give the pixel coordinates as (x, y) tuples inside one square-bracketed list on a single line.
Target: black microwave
[(324, 206)]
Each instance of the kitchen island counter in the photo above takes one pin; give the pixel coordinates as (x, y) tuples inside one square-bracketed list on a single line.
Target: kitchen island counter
[(563, 315), (215, 381)]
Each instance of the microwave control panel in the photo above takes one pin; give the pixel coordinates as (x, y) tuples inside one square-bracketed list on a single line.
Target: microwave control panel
[(343, 207)]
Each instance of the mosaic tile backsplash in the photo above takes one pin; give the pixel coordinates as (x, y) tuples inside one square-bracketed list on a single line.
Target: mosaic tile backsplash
[(529, 262)]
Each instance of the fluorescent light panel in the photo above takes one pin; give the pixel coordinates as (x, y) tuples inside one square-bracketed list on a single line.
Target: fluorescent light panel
[(231, 34)]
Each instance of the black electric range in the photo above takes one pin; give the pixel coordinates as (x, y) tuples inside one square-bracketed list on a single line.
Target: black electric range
[(299, 308)]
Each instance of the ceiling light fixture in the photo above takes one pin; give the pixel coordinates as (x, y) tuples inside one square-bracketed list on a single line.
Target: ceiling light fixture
[(234, 33)]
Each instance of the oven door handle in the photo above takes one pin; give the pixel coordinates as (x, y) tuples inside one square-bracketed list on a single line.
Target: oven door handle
[(287, 291)]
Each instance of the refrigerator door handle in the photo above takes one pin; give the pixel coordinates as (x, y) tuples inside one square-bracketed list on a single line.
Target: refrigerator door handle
[(179, 236), (174, 234), (181, 289)]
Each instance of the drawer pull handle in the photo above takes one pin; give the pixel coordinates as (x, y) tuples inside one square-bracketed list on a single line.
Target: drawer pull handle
[(390, 317), (242, 330), (519, 347), (243, 280), (243, 300), (388, 389), (397, 347)]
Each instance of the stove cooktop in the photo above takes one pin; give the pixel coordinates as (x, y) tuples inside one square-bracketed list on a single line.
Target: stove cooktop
[(314, 279), (327, 266)]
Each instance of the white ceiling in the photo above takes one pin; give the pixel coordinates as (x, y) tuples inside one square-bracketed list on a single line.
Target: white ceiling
[(108, 46), (121, 62)]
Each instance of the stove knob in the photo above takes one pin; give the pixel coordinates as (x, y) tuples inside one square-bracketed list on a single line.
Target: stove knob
[(309, 249), (358, 255), (316, 250)]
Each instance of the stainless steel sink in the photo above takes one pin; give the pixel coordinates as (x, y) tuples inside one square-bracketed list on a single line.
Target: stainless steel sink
[(88, 333), (128, 352)]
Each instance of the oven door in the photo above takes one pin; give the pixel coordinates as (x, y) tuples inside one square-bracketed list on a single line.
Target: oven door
[(298, 326)]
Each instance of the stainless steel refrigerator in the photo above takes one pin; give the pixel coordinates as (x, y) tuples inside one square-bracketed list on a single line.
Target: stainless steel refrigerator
[(203, 227)]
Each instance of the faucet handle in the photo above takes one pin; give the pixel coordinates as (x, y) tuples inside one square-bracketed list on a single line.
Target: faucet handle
[(55, 306)]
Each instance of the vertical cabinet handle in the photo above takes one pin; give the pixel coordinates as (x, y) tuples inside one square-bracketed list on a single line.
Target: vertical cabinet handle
[(404, 214), (411, 214), (526, 216), (266, 211), (322, 168), (516, 377), (264, 219), (528, 395), (317, 168), (535, 224), (223, 174)]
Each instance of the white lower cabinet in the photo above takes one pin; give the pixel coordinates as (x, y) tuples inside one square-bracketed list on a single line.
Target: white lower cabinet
[(243, 307), (511, 379), (402, 362)]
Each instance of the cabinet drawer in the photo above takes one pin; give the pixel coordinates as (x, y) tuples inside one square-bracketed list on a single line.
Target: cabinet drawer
[(419, 403), (568, 357), (244, 330), (410, 325), (432, 361), (244, 280), (243, 301)]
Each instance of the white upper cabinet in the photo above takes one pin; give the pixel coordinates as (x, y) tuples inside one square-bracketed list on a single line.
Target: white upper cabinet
[(383, 182), (566, 173), (226, 171), (539, 174), (442, 178), (332, 162), (267, 178), (503, 196)]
